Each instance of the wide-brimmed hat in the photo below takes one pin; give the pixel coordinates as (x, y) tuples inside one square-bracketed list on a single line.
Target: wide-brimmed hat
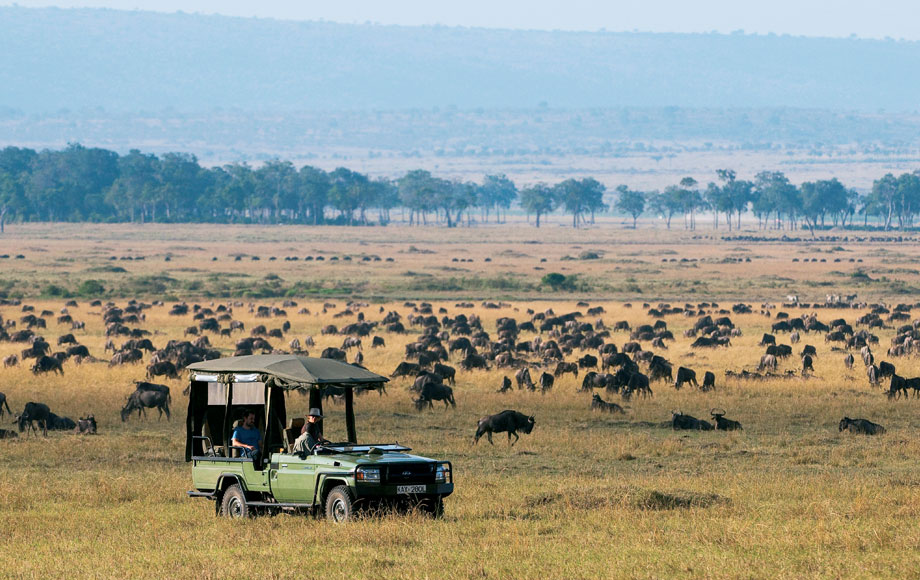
[(315, 412)]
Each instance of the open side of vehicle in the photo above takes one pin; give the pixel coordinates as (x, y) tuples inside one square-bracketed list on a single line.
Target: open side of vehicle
[(336, 479)]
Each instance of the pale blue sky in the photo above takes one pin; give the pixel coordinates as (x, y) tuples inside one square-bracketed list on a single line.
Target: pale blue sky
[(839, 18)]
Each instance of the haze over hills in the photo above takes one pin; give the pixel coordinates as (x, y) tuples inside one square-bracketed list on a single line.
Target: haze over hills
[(142, 61)]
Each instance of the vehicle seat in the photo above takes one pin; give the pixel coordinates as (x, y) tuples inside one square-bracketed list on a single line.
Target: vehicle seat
[(295, 425), (218, 450)]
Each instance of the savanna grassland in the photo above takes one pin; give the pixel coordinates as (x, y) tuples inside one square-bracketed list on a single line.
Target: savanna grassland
[(586, 495)]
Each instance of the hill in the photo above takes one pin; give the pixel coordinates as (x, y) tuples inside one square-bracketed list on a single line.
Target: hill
[(141, 61)]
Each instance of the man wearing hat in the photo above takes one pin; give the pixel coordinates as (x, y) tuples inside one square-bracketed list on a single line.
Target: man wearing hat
[(312, 433)]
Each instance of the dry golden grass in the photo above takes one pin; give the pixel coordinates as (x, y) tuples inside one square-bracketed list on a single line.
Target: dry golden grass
[(584, 496)]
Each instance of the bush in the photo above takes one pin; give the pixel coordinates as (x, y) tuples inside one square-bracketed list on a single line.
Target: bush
[(90, 288)]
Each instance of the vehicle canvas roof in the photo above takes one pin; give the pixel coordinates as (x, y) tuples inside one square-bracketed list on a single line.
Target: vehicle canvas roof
[(299, 370)]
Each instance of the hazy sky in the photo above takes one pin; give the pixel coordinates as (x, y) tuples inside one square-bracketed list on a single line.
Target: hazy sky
[(878, 19)]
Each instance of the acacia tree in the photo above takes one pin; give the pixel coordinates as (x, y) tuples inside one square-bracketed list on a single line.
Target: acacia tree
[(539, 200), (581, 196), (496, 192), (630, 202)]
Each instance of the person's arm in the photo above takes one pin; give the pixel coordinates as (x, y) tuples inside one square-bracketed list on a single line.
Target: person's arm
[(237, 443)]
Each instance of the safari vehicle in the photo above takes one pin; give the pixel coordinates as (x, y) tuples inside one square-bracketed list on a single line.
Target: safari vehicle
[(337, 479)]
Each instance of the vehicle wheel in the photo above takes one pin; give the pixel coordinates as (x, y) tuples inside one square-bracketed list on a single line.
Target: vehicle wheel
[(433, 506), (234, 503), (339, 505)]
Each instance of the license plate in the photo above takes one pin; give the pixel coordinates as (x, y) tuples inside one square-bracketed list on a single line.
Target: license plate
[(410, 489)]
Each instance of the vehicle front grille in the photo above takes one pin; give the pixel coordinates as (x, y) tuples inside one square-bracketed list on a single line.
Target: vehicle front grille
[(408, 473)]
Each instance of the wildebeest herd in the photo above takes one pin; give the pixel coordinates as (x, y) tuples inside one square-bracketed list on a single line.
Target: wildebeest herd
[(576, 343)]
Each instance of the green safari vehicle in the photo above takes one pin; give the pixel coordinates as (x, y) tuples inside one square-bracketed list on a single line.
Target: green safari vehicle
[(337, 479)]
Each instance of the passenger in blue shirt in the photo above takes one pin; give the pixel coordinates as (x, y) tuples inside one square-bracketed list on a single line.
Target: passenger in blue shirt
[(247, 436)]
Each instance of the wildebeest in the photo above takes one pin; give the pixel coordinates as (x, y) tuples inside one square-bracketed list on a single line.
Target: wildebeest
[(446, 372), (546, 382), (126, 356), (378, 341), (885, 369), (588, 362), (863, 426), (565, 367), (10, 361), (898, 384), (405, 369), (599, 404), (506, 385), (47, 364), (723, 424), (32, 413), (3, 404), (435, 392), (56, 423), (66, 339), (807, 364), (685, 375), (523, 379), (162, 369), (767, 362), (474, 361), (767, 339), (141, 400), (507, 421), (709, 381), (86, 425), (8, 434), (333, 353), (848, 361), (680, 421)]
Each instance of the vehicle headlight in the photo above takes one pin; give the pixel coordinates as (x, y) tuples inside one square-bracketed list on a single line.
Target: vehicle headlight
[(367, 474), (442, 473)]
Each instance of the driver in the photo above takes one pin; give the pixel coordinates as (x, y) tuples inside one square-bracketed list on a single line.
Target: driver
[(312, 433), (247, 436)]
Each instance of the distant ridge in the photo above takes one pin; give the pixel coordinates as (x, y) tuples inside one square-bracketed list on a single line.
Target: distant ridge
[(119, 61)]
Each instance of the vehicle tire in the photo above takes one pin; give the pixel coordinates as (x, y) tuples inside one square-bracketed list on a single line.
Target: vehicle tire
[(233, 504), (339, 505), (433, 506)]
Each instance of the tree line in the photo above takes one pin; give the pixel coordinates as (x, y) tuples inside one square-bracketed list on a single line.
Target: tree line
[(81, 183)]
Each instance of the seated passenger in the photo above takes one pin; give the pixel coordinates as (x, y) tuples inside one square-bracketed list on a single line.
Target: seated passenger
[(311, 435), (247, 436)]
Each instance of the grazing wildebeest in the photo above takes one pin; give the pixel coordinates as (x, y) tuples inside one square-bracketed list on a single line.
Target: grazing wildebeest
[(86, 425), (638, 383), (126, 356), (723, 424), (685, 375), (162, 369), (848, 361), (566, 367), (587, 362), (898, 384), (872, 373), (47, 364), (405, 369), (767, 339), (474, 361), (863, 426), (8, 434), (34, 412), (807, 364), (446, 372), (680, 421), (423, 378), (3, 404), (506, 385), (508, 420), (333, 353), (599, 404), (523, 379), (378, 341), (709, 381), (435, 392), (77, 350), (794, 337), (66, 339), (767, 362), (141, 400), (546, 382), (10, 361)]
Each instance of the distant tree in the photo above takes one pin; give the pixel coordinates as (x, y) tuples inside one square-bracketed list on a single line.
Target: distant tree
[(667, 203), (581, 196), (497, 192), (773, 193), (539, 199), (418, 192), (630, 202), (884, 197), (138, 177), (314, 185), (822, 197), (732, 196)]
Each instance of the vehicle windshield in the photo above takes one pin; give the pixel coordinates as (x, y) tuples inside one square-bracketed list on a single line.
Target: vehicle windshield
[(364, 448)]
